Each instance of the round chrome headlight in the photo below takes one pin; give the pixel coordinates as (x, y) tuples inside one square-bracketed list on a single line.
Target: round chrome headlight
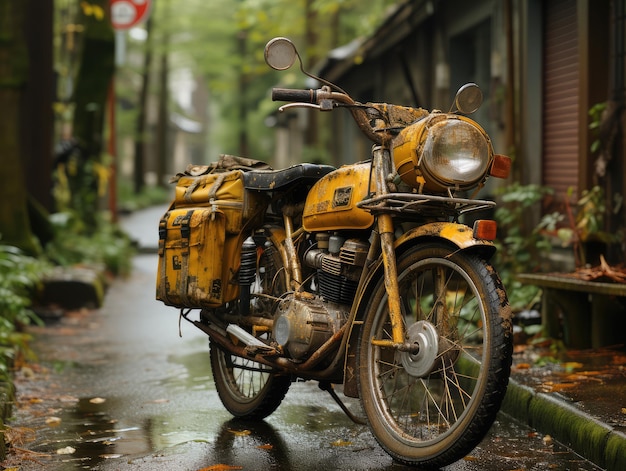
[(455, 154)]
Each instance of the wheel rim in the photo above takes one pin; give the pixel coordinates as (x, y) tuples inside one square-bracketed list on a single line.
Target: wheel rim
[(245, 379), (424, 399)]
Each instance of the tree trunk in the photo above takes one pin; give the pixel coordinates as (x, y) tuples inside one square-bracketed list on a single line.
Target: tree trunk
[(37, 117), (140, 126), (97, 64), (14, 221)]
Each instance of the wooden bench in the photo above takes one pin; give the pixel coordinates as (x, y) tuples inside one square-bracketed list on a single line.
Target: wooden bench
[(582, 313)]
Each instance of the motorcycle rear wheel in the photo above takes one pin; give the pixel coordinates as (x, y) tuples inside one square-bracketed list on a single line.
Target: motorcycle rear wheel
[(249, 389), (433, 407)]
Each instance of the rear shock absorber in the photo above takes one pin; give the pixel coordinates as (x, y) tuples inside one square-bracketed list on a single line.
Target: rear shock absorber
[(247, 274)]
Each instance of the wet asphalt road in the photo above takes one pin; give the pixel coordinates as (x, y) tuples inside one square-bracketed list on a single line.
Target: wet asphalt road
[(122, 390)]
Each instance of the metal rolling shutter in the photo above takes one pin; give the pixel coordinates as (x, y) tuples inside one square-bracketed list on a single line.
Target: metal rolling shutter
[(560, 101)]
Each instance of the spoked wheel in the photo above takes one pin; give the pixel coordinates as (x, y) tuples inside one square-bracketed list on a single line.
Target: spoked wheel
[(433, 405), (246, 388), (249, 389)]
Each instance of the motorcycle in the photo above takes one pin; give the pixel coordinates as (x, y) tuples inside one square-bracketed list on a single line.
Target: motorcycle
[(363, 276)]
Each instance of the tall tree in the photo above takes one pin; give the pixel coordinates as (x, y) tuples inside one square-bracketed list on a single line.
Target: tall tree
[(14, 220), (97, 64)]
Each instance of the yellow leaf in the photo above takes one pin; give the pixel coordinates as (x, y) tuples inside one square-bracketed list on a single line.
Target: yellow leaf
[(98, 12), (87, 8), (53, 421), (97, 400), (240, 433), (341, 443), (220, 467)]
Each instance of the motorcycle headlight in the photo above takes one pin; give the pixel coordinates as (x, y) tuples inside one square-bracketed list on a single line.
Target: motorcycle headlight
[(443, 152)]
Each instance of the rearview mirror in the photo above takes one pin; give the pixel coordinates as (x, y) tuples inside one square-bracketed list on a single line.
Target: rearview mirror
[(280, 53), (468, 99)]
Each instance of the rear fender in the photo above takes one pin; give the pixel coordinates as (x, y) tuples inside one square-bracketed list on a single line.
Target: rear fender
[(456, 235)]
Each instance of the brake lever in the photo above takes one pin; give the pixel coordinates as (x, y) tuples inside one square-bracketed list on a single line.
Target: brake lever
[(325, 105)]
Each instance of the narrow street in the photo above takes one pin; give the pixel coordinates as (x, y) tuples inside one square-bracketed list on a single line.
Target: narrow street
[(118, 389)]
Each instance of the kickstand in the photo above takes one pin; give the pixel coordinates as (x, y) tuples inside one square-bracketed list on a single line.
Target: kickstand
[(326, 386)]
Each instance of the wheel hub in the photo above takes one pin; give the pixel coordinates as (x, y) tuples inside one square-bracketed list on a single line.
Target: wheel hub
[(421, 360)]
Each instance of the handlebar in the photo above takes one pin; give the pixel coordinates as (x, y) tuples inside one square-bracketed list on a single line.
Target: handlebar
[(317, 96), (288, 94)]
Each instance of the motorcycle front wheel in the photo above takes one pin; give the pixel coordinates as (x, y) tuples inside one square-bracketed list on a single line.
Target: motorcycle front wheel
[(431, 406)]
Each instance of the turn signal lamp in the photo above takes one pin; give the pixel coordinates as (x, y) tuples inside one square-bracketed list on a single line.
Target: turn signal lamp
[(485, 229), (500, 167)]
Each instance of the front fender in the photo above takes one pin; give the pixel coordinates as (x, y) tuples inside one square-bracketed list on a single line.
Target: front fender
[(458, 235)]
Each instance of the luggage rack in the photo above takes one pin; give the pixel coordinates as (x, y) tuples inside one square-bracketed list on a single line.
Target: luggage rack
[(422, 205)]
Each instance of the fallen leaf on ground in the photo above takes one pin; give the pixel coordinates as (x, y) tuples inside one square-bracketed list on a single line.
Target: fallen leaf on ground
[(68, 450), (572, 365), (53, 421), (110, 456), (341, 443), (240, 433), (556, 387), (97, 400), (267, 446), (220, 467), (18, 436)]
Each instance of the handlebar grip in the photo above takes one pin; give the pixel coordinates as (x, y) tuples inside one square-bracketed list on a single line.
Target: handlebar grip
[(288, 94)]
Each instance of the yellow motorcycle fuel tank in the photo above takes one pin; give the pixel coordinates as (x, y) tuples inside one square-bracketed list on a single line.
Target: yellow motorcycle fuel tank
[(331, 203)]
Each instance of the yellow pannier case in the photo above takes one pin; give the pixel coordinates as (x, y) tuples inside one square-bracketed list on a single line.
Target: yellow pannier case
[(200, 239)]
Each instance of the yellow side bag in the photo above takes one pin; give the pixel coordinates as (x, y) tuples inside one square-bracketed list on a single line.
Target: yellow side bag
[(191, 247), (224, 191)]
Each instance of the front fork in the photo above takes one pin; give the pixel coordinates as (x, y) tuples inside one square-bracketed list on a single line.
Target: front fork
[(387, 238)]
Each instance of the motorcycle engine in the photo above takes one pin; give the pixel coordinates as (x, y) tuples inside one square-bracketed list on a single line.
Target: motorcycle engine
[(302, 325), (303, 322), (339, 263)]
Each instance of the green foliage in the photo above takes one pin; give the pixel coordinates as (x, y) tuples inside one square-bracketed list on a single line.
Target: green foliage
[(518, 250), (595, 113), (582, 224), (75, 243), (150, 195), (20, 275)]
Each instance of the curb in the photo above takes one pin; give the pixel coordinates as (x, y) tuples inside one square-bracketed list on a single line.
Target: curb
[(594, 440)]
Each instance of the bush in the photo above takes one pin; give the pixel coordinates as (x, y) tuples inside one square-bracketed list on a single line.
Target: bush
[(20, 276), (76, 244)]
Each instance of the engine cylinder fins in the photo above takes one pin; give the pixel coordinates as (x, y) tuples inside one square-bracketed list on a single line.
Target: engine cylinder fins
[(335, 288)]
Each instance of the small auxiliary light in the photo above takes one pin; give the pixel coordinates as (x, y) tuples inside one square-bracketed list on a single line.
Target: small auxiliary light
[(500, 167), (485, 229)]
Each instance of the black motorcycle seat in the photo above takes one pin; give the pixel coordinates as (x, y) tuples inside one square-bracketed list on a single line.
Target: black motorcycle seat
[(271, 180)]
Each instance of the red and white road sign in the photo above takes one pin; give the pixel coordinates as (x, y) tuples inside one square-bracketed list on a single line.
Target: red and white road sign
[(126, 14)]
